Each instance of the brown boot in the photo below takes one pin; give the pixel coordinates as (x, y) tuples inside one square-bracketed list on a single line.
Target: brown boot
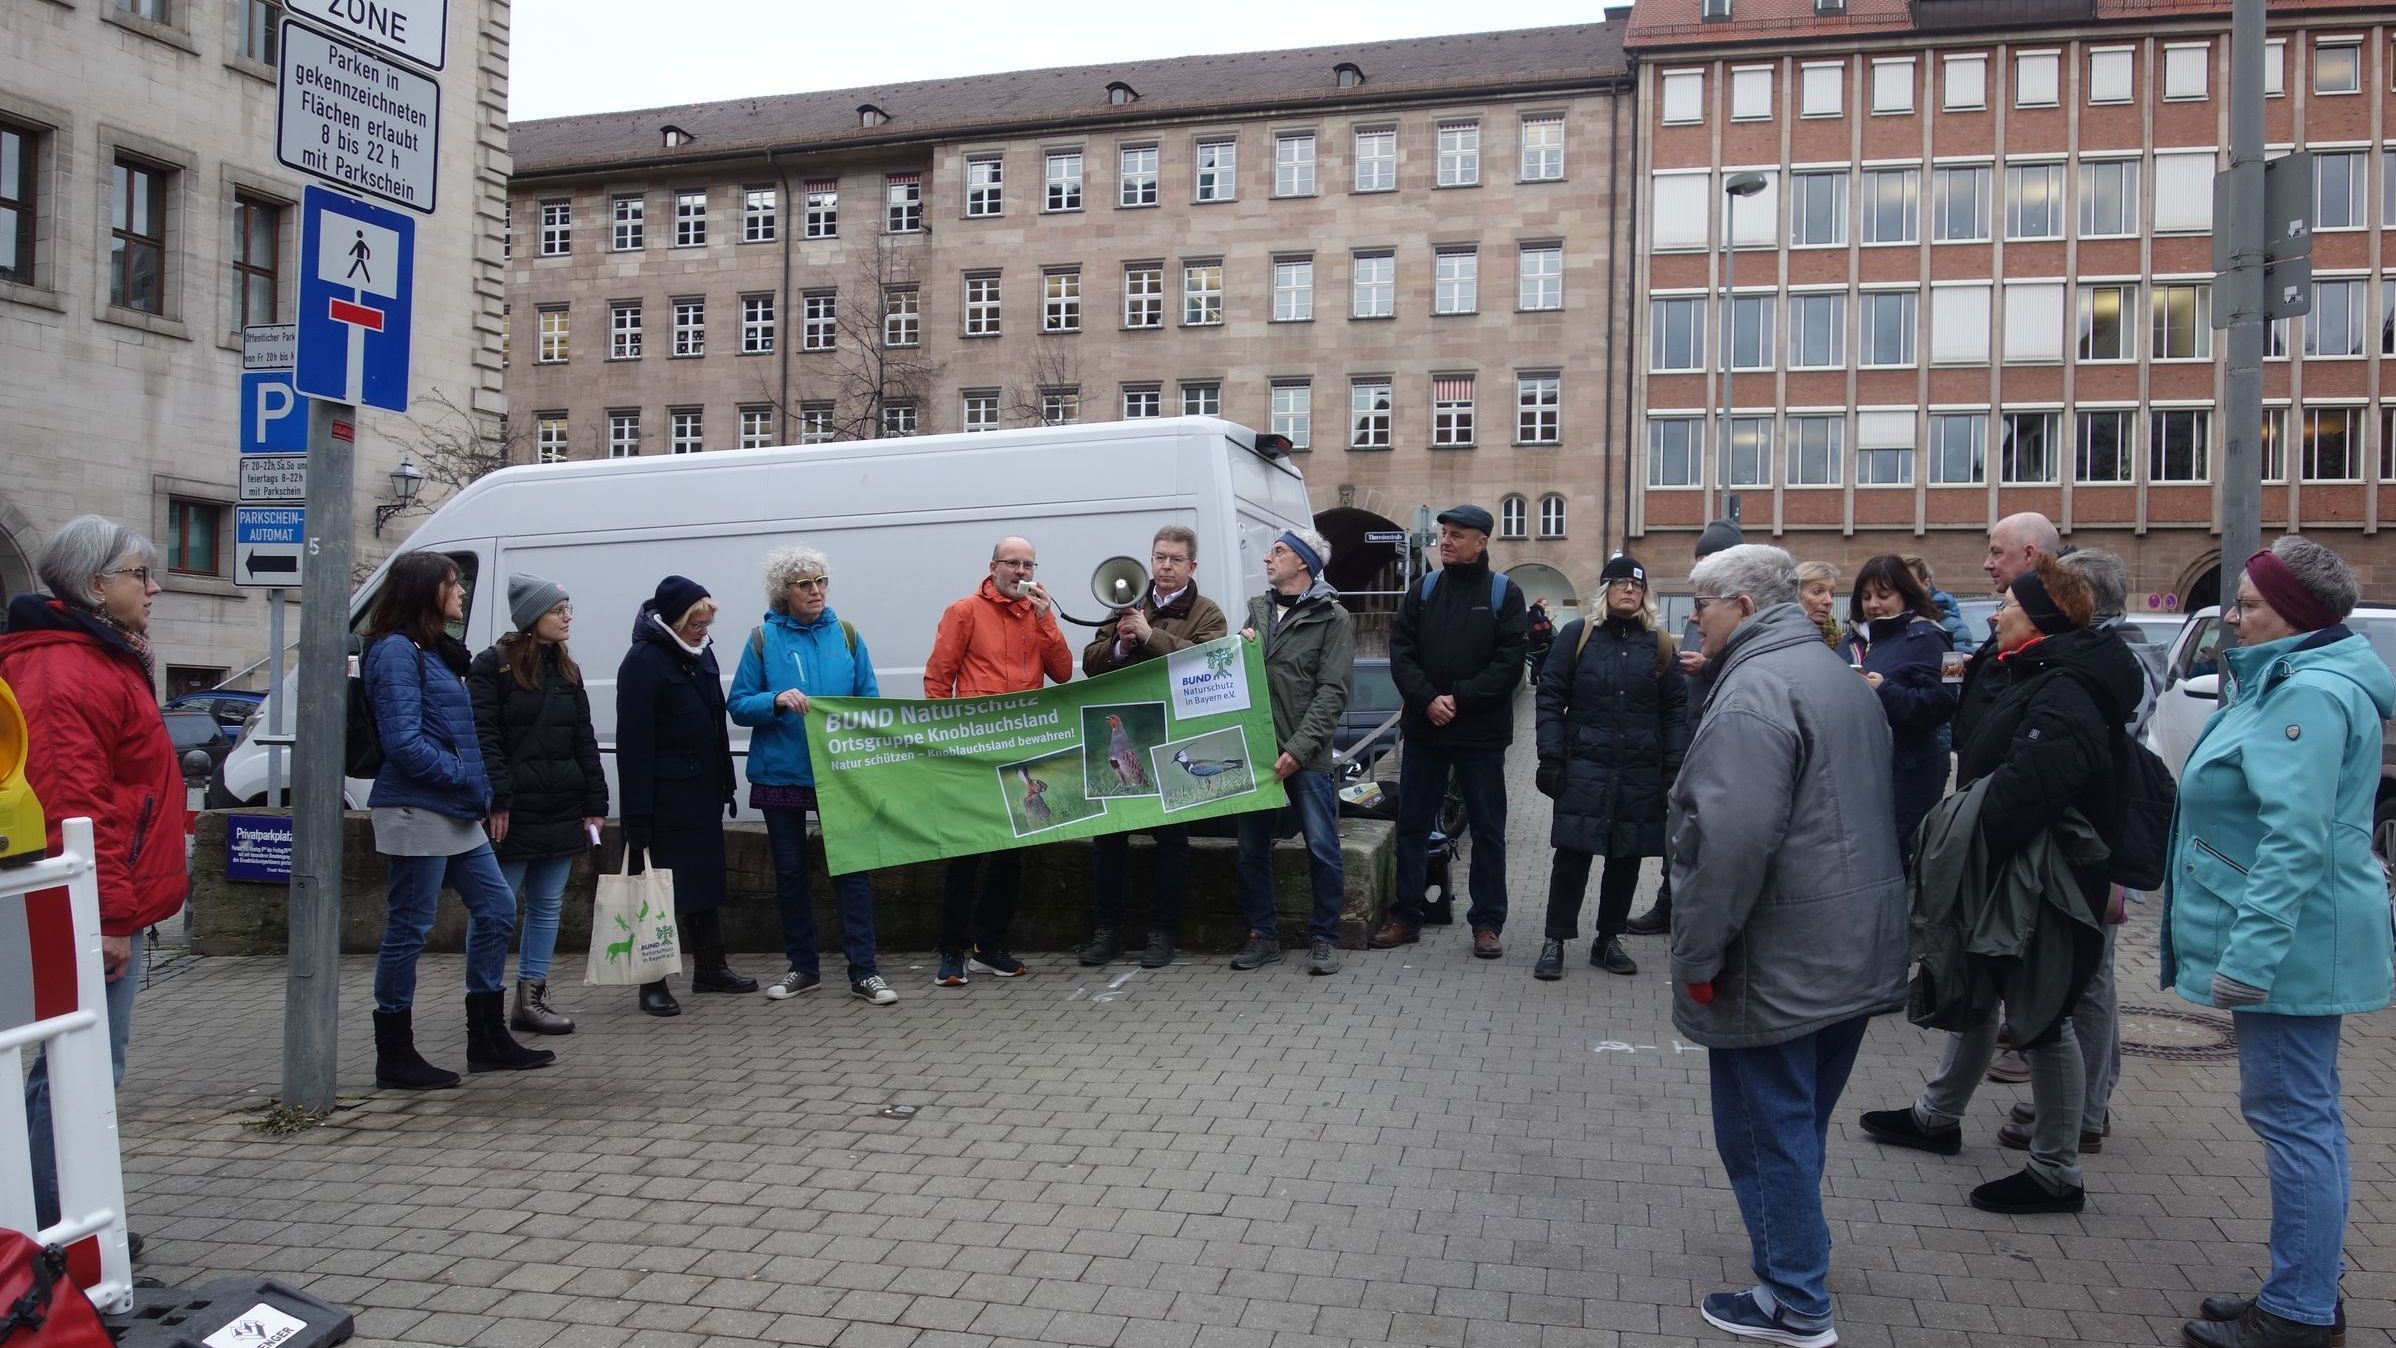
[(1395, 932)]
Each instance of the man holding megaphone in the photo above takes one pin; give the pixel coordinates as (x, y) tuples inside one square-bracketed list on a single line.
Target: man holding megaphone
[(1170, 615)]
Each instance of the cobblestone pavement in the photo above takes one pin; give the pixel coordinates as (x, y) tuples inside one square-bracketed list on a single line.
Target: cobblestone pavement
[(1425, 1150)]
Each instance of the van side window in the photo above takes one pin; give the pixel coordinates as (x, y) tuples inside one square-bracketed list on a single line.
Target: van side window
[(2204, 653), (469, 569)]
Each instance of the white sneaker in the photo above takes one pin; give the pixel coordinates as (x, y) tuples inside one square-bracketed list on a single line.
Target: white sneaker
[(872, 988), (792, 984)]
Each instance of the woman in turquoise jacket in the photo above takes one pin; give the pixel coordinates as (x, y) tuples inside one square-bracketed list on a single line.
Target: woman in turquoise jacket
[(2276, 910), (803, 650)]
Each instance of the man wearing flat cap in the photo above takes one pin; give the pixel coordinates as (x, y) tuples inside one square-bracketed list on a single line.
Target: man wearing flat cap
[(1456, 653)]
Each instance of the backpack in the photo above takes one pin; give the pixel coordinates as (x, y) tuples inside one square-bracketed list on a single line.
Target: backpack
[(1497, 587), (757, 641), (1666, 647), (40, 1306), (2147, 795), (362, 740)]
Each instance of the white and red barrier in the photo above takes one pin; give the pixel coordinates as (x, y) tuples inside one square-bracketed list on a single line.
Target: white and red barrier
[(54, 993)]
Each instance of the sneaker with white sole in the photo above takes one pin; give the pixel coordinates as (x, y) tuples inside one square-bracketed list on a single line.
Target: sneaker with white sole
[(873, 988), (952, 970), (792, 984), (1737, 1313), (995, 962)]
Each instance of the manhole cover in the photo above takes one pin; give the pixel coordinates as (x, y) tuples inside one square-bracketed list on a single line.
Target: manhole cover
[(2170, 1033)]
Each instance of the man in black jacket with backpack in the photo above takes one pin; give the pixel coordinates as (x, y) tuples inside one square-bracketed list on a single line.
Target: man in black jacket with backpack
[(1456, 653)]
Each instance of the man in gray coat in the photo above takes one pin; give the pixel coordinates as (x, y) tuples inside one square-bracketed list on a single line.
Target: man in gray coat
[(1788, 920)]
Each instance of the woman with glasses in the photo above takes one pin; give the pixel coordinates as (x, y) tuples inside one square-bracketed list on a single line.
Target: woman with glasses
[(548, 792)]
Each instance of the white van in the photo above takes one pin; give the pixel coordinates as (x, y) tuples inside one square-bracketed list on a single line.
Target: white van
[(908, 525)]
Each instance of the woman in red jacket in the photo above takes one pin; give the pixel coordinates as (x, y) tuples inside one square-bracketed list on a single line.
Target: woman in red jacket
[(79, 662)]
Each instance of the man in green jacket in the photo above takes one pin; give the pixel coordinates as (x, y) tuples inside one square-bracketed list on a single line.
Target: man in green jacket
[(1310, 645)]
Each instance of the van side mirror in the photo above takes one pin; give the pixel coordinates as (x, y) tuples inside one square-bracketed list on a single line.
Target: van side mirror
[(2204, 686), (357, 644)]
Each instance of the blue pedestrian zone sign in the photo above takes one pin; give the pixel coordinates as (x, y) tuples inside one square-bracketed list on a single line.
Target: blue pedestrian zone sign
[(357, 270)]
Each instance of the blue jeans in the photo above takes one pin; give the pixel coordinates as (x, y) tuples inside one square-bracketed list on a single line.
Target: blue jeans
[(1422, 782), (416, 884), (1772, 1110), (541, 883), (1110, 859), (2288, 1090), (852, 898), (37, 1088), (1318, 818)]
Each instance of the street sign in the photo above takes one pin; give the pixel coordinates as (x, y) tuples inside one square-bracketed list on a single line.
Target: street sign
[(350, 117), (269, 346), (2288, 288), (357, 274), (1385, 536), (416, 29), (268, 543), (275, 477), (2288, 206), (272, 419)]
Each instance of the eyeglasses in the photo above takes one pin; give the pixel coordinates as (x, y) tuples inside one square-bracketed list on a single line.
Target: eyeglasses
[(1012, 565), (1701, 603), (2002, 605), (140, 573), (2240, 607), (1166, 559), (1626, 583), (560, 609), (811, 582)]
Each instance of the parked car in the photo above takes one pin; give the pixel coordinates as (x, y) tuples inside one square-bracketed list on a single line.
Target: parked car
[(1372, 699), (231, 707), (196, 732)]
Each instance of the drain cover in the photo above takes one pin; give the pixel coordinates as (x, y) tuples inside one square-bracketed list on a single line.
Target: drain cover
[(2176, 1035)]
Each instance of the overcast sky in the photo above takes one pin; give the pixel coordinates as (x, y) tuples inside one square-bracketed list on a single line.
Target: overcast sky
[(575, 56)]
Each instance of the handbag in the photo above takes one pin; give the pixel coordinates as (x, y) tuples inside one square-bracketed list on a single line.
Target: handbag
[(633, 940), (40, 1307)]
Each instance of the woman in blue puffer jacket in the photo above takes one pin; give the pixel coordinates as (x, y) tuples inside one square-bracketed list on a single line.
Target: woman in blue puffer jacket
[(429, 803), (1894, 638), (2276, 910)]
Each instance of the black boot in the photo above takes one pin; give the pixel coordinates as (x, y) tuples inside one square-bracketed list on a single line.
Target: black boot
[(489, 1047), (396, 1064), (657, 999), (1159, 952), (2235, 1308), (710, 971), (1105, 947), (1655, 921), (2258, 1328)]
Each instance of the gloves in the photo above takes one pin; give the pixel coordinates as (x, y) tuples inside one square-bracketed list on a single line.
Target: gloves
[(731, 810), (2229, 993), (1550, 780), (1700, 993), (636, 832)]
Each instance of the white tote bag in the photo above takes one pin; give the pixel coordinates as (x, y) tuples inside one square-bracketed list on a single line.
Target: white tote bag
[(632, 928)]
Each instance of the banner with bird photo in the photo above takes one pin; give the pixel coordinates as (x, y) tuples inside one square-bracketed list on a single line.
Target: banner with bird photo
[(1165, 741)]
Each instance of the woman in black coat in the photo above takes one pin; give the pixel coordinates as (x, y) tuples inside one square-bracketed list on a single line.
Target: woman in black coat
[(1894, 636), (674, 765), (1613, 724), (548, 792)]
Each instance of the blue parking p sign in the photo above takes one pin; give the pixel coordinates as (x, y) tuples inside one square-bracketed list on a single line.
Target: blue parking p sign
[(272, 419), (357, 286)]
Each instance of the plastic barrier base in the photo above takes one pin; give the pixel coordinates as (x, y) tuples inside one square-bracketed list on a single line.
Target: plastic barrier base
[(230, 1313)]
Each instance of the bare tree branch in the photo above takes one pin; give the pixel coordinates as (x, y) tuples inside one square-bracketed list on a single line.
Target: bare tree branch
[(864, 373), (454, 445), (1054, 367)]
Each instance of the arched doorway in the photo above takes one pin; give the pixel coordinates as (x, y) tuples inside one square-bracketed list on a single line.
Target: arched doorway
[(1541, 581), (16, 564), (1369, 576), (2199, 585)]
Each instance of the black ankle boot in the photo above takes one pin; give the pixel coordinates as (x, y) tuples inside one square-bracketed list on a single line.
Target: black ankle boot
[(397, 1067), (489, 1047), (657, 999)]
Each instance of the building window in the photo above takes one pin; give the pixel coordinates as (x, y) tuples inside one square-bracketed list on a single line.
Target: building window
[(902, 209), (1959, 324), (985, 189), (2109, 75), (1967, 84), (1538, 409), (507, 235), (2101, 447), (690, 219), (756, 324), (1892, 198), (2387, 318), (761, 208), (2333, 445), (549, 437), (557, 228), (1815, 445), (1293, 412), (507, 312), (898, 420), (690, 327), (1672, 452), (1293, 290), (1751, 94), (1750, 332), (1139, 176), (2026, 453), (1142, 401), (1368, 414), (2108, 197), (2179, 446), (2338, 194), (821, 210), (1540, 270), (554, 345), (902, 316), (1376, 289), (1512, 514), (2106, 329), (2034, 323), (1817, 331), (2337, 68), (1459, 154), (1551, 516), (1676, 333), (2183, 328), (192, 532), (1892, 85), (2275, 444), (1201, 294), (1202, 399), (1817, 209), (1377, 161), (1063, 179), (1452, 411), (1456, 281), (1060, 406), (1061, 300), (257, 233), (756, 427), (1886, 328), (137, 238), (1684, 97), (20, 149), (624, 331), (1293, 166), (260, 22), (981, 306), (2335, 325), (2187, 71), (1218, 170), (1822, 90), (1144, 296), (981, 410), (2275, 67), (623, 435), (1543, 148), (2034, 201), (815, 423), (1884, 449), (1747, 457), (685, 427), (819, 320), (629, 217), (2183, 192), (1958, 448), (1959, 205)]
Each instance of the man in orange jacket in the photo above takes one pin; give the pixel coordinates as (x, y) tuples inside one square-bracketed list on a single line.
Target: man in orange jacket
[(1002, 638)]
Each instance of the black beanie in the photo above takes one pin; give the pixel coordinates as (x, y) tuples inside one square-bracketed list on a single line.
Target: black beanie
[(675, 595), (1622, 566), (1719, 535), (2038, 606)]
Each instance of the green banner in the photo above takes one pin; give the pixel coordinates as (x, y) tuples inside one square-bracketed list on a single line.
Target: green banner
[(1166, 741)]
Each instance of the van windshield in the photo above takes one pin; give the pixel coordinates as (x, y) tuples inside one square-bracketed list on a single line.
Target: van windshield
[(469, 569)]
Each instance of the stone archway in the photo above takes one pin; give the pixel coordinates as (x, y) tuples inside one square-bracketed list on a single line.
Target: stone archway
[(1541, 581), (17, 543), (2200, 583), (1359, 567)]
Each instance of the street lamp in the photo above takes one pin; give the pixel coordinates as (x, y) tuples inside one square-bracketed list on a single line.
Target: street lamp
[(1734, 187), (406, 481)]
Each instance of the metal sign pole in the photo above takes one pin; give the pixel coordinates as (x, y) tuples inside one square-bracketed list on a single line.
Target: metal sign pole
[(2242, 407), (274, 697), (312, 991)]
